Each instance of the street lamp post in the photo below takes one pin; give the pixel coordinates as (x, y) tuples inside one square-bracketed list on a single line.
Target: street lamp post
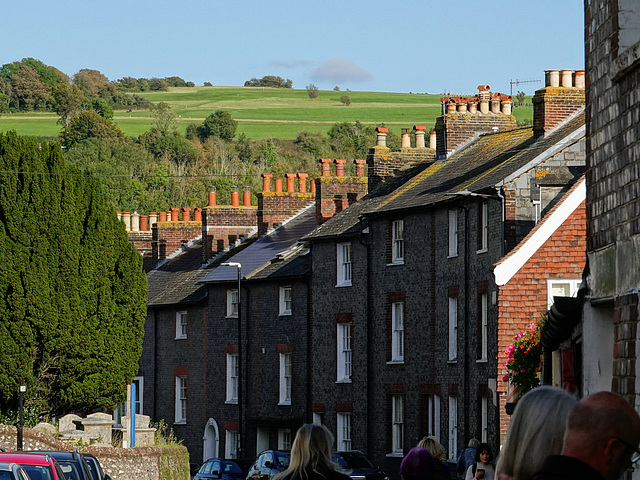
[(238, 266), (22, 389)]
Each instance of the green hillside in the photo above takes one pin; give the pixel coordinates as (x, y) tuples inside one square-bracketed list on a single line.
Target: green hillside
[(265, 112)]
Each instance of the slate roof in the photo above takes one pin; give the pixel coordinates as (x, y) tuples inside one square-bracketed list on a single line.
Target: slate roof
[(259, 254), (479, 167)]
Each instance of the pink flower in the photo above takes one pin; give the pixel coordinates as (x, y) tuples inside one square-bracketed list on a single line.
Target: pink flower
[(522, 370), (505, 378)]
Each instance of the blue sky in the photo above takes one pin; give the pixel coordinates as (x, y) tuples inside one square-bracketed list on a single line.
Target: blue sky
[(429, 46)]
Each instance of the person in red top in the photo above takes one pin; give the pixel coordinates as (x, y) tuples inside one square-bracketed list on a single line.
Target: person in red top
[(601, 441)]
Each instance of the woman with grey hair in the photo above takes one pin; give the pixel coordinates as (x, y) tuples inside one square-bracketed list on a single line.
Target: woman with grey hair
[(536, 431)]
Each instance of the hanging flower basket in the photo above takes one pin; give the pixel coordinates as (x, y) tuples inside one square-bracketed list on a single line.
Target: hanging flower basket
[(524, 358)]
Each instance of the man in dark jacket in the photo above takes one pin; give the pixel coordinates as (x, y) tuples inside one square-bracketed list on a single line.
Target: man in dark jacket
[(601, 441)]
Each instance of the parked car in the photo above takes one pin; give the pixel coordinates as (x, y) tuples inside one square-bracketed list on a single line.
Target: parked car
[(37, 466), (358, 466), (96, 469), (269, 463), (218, 468), (73, 464), (12, 471)]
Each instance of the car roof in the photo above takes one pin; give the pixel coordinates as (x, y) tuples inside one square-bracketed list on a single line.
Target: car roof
[(58, 455), (26, 458), (6, 466)]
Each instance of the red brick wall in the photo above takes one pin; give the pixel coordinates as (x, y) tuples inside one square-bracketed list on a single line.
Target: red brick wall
[(524, 298), (552, 105), (169, 237), (276, 207), (334, 194), (223, 225), (141, 240), (453, 129)]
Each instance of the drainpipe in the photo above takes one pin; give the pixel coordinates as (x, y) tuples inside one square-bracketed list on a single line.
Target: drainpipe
[(370, 340), (309, 404), (466, 323), (503, 220)]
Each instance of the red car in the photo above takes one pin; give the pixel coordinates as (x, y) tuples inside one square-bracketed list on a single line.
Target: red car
[(38, 466)]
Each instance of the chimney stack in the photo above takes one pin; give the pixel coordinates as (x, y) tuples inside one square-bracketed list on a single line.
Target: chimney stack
[(235, 196), (558, 100), (381, 139)]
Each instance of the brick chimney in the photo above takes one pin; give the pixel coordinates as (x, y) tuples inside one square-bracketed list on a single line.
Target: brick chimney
[(464, 117), (384, 163), (558, 100), (276, 207), (169, 234), (336, 192)]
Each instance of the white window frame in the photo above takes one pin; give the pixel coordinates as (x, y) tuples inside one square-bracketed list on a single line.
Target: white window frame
[(484, 327), (484, 227), (397, 332), (317, 418), (453, 233), (232, 378), (453, 329), (232, 303), (433, 412), (484, 419), (231, 444), (553, 283), (397, 242), (181, 399), (139, 381), (343, 431), (344, 351), (285, 300), (181, 325), (262, 439), (284, 439), (343, 264), (453, 428), (286, 377), (397, 425)]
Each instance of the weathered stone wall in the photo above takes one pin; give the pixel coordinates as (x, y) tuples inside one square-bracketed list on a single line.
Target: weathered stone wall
[(148, 463)]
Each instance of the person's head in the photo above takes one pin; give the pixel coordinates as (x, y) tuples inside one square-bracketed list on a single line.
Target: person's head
[(603, 431), (435, 448), (483, 453), (311, 451), (474, 443), (536, 431), (418, 464)]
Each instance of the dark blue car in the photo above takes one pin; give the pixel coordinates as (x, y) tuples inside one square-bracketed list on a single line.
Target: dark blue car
[(219, 469), (358, 466)]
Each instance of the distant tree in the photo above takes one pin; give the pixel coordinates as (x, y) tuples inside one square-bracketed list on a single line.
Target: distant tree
[(72, 289), (346, 99), (129, 84), (67, 100), (312, 142), (164, 120), (102, 108), (218, 124), (158, 85), (91, 82), (312, 91), (269, 153), (191, 132), (190, 84), (88, 124), (336, 88), (207, 84), (176, 82), (243, 147), (521, 96), (28, 91), (269, 81)]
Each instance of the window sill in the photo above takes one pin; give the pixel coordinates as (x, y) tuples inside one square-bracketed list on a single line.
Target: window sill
[(482, 360), (284, 404), (180, 422), (482, 250), (452, 256), (395, 362), (231, 402), (455, 360), (344, 380), (284, 314), (344, 284), (181, 338), (395, 262), (232, 316), (395, 455)]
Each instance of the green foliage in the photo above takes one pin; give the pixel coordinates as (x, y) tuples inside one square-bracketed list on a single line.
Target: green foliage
[(164, 435), (269, 81), (219, 124), (524, 358), (312, 91), (68, 101), (88, 124), (30, 416), (91, 82), (164, 120), (207, 84), (72, 290), (521, 96), (346, 100), (102, 108)]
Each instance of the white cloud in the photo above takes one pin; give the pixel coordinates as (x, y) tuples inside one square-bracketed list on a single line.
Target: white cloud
[(340, 70)]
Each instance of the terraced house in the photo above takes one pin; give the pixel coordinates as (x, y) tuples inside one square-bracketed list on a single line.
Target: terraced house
[(365, 302)]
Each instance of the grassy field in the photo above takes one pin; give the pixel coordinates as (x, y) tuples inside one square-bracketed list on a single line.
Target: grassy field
[(266, 112)]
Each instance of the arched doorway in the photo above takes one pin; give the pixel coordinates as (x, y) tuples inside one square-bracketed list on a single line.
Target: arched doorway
[(211, 440)]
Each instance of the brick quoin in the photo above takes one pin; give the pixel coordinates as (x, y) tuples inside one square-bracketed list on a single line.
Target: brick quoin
[(525, 297)]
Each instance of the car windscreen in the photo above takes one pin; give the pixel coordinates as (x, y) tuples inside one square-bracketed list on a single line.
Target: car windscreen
[(93, 466), (354, 460), (230, 467), (39, 472), (71, 470), (283, 459)]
